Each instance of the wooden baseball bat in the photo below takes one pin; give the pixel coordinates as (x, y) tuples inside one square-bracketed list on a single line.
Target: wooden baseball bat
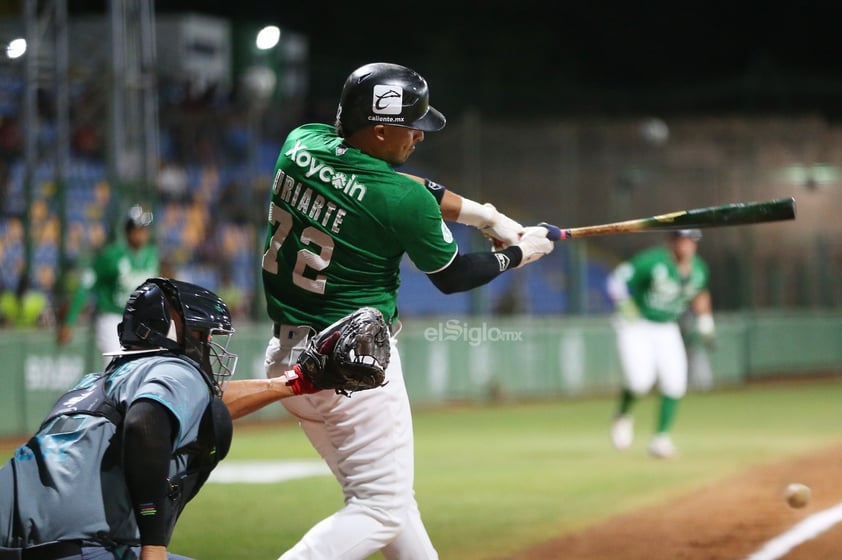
[(740, 213)]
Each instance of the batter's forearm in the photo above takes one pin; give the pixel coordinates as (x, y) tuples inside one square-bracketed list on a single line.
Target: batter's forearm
[(472, 270), (244, 396)]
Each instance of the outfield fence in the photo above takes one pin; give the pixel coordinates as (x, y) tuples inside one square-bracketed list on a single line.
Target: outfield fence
[(471, 358)]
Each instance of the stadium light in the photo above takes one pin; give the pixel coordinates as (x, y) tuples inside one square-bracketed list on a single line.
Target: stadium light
[(16, 48), (268, 37)]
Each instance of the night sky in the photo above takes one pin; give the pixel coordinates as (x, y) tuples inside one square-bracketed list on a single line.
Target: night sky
[(538, 58)]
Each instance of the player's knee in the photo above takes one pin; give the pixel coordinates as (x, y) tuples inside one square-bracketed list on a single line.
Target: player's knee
[(674, 392), (639, 389), (391, 521)]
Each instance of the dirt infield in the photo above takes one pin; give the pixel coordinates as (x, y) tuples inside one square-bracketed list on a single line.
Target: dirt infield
[(730, 520)]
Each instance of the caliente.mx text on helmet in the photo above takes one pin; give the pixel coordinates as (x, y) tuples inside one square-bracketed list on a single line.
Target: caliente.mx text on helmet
[(385, 93)]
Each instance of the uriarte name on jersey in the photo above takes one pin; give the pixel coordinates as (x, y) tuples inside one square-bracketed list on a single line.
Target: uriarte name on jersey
[(302, 200), (299, 155)]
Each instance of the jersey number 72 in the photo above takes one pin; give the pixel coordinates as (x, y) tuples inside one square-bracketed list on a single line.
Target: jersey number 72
[(315, 260)]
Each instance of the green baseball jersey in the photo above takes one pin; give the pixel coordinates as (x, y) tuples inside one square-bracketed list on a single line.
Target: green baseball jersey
[(656, 286), (340, 222), (116, 271)]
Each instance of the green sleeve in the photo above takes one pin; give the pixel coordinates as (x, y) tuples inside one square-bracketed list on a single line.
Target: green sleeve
[(419, 225), (102, 273), (638, 281), (80, 297)]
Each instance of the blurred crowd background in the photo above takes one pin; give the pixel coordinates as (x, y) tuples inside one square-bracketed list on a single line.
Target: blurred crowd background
[(187, 116)]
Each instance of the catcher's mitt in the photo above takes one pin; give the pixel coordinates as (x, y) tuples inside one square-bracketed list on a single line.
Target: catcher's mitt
[(350, 355)]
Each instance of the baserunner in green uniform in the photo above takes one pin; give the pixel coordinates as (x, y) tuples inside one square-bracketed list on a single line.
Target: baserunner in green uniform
[(651, 291), (118, 269)]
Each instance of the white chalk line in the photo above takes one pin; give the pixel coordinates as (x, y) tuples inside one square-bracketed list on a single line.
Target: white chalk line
[(266, 472), (809, 528)]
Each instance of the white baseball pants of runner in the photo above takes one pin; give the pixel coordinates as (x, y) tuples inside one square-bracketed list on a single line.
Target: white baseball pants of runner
[(652, 352), (367, 442), (105, 334)]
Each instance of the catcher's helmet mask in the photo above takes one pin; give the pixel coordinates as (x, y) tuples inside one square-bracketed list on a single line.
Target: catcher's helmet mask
[(385, 93), (162, 310)]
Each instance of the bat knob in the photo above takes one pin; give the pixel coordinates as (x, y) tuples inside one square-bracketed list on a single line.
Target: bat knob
[(554, 233)]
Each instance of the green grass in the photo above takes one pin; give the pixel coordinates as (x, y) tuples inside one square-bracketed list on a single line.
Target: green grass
[(493, 479)]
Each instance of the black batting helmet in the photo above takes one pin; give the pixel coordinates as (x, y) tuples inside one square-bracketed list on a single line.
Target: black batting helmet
[(694, 234), (385, 93), (148, 324)]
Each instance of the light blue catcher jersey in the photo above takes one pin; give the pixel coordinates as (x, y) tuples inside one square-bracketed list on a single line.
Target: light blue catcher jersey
[(68, 479)]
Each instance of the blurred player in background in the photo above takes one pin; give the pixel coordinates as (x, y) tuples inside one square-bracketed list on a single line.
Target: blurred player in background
[(341, 220), (117, 270), (650, 292)]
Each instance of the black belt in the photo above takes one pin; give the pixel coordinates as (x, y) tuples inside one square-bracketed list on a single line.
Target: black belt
[(276, 330), (50, 551)]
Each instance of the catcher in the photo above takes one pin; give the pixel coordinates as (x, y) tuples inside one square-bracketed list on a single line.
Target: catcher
[(348, 356), (122, 453)]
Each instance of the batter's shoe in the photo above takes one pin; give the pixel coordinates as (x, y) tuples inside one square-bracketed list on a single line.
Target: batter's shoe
[(622, 431), (662, 447)]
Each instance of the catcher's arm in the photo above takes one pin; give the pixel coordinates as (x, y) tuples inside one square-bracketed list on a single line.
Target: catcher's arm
[(348, 356), (244, 396)]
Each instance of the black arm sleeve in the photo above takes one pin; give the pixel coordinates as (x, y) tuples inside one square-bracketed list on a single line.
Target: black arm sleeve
[(148, 432), (436, 189), (472, 270)]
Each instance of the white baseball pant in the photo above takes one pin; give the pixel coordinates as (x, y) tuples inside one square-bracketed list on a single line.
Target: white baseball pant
[(367, 442), (652, 352), (105, 334)]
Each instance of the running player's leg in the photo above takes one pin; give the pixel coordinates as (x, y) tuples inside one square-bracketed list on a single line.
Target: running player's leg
[(636, 351), (637, 362), (672, 380), (105, 333)]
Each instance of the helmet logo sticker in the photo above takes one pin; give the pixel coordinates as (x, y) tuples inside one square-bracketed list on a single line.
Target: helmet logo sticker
[(387, 100)]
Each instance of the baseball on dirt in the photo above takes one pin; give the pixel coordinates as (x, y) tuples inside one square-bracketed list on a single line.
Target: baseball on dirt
[(797, 495)]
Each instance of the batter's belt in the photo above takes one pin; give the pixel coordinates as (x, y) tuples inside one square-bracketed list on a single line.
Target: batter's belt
[(290, 331)]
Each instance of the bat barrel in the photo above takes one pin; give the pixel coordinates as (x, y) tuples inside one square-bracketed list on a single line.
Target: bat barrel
[(741, 213)]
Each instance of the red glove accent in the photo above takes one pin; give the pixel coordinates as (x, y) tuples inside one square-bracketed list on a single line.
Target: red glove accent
[(300, 383), (329, 343)]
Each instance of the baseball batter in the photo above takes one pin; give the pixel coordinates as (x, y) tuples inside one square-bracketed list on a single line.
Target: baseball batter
[(651, 291), (117, 270), (340, 221)]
